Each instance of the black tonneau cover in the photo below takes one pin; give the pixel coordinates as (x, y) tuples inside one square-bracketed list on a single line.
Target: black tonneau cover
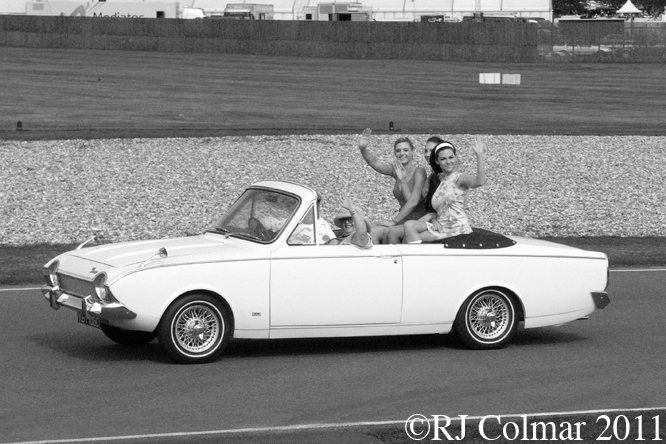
[(478, 239)]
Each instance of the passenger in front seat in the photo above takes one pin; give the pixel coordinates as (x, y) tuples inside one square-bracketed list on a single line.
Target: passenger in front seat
[(304, 231), (355, 227)]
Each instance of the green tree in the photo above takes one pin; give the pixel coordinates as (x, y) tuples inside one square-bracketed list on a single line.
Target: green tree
[(569, 7), (650, 7), (578, 7)]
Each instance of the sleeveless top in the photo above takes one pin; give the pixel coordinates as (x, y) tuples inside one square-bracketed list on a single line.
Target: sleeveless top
[(449, 202), (419, 210)]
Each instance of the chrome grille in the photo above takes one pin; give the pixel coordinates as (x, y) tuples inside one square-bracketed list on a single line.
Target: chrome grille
[(75, 286)]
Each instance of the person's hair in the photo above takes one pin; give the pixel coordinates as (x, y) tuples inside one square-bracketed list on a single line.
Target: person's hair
[(433, 180), (403, 140), (433, 155), (433, 183), (435, 139)]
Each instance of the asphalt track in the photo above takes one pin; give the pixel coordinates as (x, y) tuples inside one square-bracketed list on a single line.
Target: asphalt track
[(65, 381)]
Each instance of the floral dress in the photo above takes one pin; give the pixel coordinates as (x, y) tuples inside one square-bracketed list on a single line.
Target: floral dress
[(449, 202)]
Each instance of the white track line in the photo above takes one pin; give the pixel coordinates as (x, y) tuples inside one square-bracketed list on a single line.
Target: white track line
[(306, 427), (638, 269), (19, 289)]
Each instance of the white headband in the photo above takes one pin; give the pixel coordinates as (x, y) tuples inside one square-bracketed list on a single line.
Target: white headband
[(444, 145)]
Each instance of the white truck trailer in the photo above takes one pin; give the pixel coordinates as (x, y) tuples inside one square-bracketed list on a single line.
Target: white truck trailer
[(247, 11), (118, 9)]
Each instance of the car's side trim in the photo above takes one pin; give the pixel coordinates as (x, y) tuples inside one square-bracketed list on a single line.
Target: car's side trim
[(358, 330), (380, 256), (553, 320), (508, 256), (180, 264)]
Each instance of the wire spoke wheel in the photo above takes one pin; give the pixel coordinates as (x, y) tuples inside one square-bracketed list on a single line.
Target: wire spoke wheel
[(195, 329), (486, 320), (489, 317)]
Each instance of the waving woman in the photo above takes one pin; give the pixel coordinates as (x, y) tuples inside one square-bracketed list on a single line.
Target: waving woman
[(409, 181), (448, 200)]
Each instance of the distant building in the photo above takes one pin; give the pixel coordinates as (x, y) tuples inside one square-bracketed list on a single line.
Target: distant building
[(377, 10)]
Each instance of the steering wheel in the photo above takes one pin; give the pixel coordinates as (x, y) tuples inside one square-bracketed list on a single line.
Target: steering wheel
[(256, 228)]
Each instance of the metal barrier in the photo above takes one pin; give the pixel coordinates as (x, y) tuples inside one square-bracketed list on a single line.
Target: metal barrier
[(477, 42), (602, 41), (503, 42)]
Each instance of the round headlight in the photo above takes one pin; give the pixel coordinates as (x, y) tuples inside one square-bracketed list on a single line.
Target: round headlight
[(50, 274), (100, 286)]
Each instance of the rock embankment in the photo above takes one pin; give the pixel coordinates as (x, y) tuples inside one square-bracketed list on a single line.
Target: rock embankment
[(62, 191)]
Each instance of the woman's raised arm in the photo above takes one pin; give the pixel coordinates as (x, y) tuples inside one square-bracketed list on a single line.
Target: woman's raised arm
[(371, 159), (480, 178)]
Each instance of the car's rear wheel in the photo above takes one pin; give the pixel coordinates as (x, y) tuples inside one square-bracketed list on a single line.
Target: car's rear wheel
[(127, 337), (488, 319), (195, 329)]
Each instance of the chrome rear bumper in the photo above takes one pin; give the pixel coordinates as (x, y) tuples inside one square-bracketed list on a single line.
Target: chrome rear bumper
[(601, 299), (107, 311)]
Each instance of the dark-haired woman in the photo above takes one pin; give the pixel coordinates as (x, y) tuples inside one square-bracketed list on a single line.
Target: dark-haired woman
[(432, 182), (448, 200), (408, 187)]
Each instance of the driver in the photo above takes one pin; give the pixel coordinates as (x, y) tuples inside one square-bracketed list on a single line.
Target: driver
[(265, 227), (271, 223)]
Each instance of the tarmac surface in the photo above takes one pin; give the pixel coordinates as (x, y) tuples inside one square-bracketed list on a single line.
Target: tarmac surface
[(66, 382)]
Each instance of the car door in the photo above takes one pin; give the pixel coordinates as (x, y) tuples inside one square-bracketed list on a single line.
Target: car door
[(335, 285)]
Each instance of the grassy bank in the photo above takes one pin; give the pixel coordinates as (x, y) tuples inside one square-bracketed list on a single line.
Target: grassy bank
[(86, 94), (23, 265)]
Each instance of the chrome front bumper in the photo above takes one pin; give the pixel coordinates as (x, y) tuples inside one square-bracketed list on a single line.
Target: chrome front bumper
[(86, 305)]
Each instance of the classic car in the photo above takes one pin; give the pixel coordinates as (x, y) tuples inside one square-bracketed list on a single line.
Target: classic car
[(247, 277)]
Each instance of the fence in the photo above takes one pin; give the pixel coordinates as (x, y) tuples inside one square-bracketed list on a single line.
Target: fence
[(485, 42), (603, 41), (500, 41)]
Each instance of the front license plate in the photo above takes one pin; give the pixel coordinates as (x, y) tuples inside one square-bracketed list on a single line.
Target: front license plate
[(89, 319)]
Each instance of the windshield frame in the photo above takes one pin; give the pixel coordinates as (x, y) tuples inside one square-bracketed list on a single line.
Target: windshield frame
[(241, 204)]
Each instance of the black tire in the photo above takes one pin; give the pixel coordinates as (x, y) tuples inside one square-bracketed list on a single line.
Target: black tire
[(127, 337), (195, 329), (487, 320)]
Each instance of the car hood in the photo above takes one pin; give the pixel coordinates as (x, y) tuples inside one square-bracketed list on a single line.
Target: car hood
[(179, 250)]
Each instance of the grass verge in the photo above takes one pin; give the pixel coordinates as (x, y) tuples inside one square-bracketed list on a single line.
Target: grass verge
[(23, 265), (108, 94)]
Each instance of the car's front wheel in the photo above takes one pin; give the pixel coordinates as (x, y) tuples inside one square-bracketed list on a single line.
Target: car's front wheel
[(195, 329), (488, 319), (127, 337)]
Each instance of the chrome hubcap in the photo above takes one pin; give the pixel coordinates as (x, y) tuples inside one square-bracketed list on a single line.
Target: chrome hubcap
[(489, 316), (197, 328)]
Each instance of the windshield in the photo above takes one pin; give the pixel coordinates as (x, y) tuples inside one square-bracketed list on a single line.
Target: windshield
[(258, 215)]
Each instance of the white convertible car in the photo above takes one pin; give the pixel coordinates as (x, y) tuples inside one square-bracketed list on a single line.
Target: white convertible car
[(247, 277)]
